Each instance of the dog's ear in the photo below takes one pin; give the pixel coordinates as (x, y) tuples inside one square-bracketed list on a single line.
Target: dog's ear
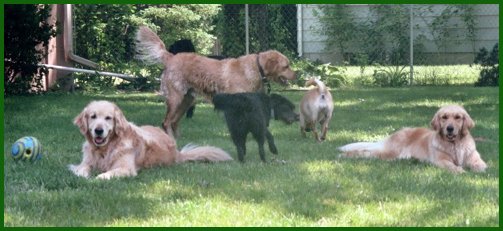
[(81, 121), (435, 122), (121, 124), (468, 123), (271, 62)]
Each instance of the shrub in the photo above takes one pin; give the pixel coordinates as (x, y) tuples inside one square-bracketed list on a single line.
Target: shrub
[(106, 34), (391, 76), (489, 75), (25, 29), (331, 75)]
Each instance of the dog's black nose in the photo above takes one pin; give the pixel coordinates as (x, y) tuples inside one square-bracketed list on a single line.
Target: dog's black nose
[(450, 129), (98, 131)]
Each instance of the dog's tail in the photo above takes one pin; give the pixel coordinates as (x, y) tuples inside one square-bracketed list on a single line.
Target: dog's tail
[(193, 152), (362, 149), (150, 48), (315, 81)]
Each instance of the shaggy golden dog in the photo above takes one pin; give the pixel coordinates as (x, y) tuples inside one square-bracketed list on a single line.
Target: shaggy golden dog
[(119, 148), (316, 107), (188, 73), (449, 145)]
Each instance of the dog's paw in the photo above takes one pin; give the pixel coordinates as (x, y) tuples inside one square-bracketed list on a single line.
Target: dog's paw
[(273, 149), (457, 170), (104, 176), (82, 171), (479, 167)]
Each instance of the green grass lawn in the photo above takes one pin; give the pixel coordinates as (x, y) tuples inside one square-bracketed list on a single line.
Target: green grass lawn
[(448, 75), (307, 184)]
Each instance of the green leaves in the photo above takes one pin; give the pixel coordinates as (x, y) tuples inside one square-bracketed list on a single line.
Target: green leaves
[(106, 34), (489, 75), (331, 75), (25, 29), (391, 76)]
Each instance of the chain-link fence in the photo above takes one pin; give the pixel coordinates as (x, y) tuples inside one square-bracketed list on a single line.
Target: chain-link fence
[(361, 34), (243, 29), (377, 35), (364, 37)]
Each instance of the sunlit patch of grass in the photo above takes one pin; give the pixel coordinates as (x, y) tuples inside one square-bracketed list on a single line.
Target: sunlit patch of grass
[(446, 75)]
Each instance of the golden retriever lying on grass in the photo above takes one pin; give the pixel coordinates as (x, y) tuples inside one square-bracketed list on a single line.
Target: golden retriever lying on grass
[(119, 148), (186, 73), (449, 145)]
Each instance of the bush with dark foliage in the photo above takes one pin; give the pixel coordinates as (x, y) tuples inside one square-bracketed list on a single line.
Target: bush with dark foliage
[(489, 75), (25, 29)]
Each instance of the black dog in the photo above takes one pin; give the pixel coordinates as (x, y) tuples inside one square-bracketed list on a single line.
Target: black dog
[(282, 109), (251, 112), (186, 45)]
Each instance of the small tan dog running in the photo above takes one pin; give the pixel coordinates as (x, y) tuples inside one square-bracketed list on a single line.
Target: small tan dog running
[(448, 145), (118, 148), (316, 107)]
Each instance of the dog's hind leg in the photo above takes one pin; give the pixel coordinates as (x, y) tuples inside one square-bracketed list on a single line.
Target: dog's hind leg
[(302, 125), (190, 112), (260, 138), (173, 101), (270, 141), (166, 124), (315, 132), (176, 108), (187, 103), (190, 98), (324, 128), (240, 143)]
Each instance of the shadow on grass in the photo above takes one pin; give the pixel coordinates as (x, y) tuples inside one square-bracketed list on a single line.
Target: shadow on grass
[(306, 182), (416, 194)]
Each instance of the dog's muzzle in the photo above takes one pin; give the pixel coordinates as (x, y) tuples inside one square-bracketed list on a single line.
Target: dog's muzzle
[(98, 138), (450, 133)]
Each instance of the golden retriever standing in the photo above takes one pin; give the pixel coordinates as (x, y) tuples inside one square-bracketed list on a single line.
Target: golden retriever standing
[(186, 73), (316, 107), (449, 145), (118, 148)]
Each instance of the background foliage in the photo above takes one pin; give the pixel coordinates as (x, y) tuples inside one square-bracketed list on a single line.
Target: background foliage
[(272, 26), (384, 34), (25, 33), (105, 33), (489, 75)]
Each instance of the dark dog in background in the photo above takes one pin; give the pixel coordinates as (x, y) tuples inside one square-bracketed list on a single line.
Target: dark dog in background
[(182, 45), (186, 45), (282, 109), (250, 113)]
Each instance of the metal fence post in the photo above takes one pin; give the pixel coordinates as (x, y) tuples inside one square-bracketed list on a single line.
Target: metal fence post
[(411, 45), (247, 29), (299, 30)]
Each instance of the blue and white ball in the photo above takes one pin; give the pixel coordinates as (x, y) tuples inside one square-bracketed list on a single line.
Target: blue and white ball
[(27, 148)]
